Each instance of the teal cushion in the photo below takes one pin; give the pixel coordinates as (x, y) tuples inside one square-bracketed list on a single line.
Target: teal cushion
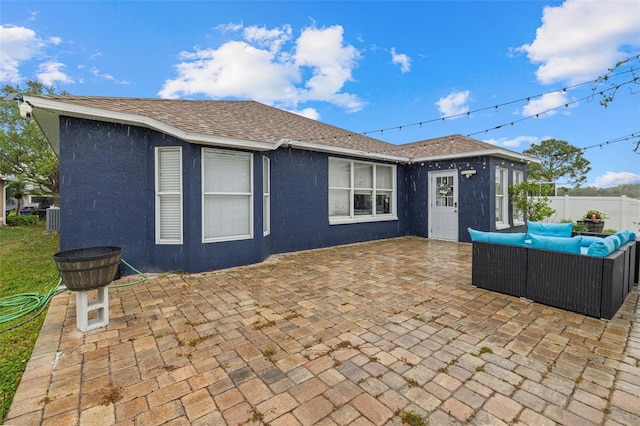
[(601, 248), (624, 236), (567, 245), (512, 239), (550, 229), (615, 239), (632, 236), (587, 240)]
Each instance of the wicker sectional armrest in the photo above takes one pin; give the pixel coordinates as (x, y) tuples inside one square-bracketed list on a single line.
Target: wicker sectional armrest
[(499, 267)]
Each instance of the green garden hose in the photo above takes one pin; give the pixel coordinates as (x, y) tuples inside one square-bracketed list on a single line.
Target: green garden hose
[(21, 305), (24, 304)]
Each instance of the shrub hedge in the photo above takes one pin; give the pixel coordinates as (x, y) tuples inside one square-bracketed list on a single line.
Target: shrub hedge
[(21, 220)]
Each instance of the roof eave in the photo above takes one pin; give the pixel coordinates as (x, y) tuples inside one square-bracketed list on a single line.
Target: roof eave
[(500, 153), (344, 151), (44, 109)]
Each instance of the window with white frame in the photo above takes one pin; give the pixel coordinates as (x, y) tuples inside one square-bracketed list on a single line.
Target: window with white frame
[(502, 198), (266, 195), (360, 191), (227, 195), (168, 188), (518, 215)]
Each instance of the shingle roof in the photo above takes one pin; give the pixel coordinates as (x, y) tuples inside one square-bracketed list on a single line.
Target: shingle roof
[(446, 145), (249, 121)]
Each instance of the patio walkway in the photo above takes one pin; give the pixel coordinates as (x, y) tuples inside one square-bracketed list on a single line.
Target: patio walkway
[(353, 335)]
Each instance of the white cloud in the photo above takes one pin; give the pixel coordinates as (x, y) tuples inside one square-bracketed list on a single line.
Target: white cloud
[(514, 142), (403, 60), (51, 72), (272, 39), (261, 68), (18, 44), (610, 179), (236, 69), (229, 27), (580, 39), (544, 106), (311, 113), (454, 104), (55, 40), (96, 72)]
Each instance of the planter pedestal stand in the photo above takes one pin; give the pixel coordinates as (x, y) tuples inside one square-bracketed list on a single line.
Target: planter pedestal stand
[(92, 313), (89, 269)]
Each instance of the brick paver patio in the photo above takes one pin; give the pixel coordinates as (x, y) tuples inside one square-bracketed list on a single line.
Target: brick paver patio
[(352, 335)]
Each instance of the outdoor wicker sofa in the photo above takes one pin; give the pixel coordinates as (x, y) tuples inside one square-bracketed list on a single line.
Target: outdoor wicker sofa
[(593, 286)]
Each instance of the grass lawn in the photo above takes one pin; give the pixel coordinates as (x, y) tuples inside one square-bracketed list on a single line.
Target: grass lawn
[(26, 266)]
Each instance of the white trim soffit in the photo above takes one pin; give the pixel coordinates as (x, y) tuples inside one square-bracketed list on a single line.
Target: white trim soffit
[(498, 152)]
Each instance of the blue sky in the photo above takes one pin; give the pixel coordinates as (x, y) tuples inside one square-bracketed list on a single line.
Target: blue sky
[(362, 66)]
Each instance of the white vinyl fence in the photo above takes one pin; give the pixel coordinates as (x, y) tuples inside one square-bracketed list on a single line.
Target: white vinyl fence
[(622, 211)]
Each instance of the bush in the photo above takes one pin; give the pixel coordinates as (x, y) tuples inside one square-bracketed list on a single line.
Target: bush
[(21, 220), (532, 199)]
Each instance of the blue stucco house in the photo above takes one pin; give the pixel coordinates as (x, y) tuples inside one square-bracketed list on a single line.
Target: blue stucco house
[(203, 185)]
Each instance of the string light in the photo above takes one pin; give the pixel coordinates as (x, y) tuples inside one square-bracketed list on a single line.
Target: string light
[(527, 99), (616, 140)]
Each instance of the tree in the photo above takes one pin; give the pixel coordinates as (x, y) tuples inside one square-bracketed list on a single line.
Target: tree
[(559, 161), (532, 199), (24, 150), (607, 86), (17, 189)]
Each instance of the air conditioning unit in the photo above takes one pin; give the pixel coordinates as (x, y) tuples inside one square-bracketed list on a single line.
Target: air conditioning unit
[(53, 218)]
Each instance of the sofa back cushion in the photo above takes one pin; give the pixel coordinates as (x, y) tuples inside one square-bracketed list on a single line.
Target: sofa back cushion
[(550, 229), (566, 245), (624, 236), (512, 239), (602, 248), (587, 240), (616, 241)]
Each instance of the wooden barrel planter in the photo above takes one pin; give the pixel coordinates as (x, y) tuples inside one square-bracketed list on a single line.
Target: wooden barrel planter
[(88, 268), (594, 225)]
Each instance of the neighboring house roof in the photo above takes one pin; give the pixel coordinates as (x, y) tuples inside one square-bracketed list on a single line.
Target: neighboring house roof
[(245, 124)]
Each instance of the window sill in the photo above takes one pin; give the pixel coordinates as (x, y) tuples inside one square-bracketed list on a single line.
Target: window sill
[(223, 239), (360, 219), (518, 223), (168, 242), (502, 226)]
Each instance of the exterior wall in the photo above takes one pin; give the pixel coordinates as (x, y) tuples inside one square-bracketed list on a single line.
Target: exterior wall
[(300, 205), (107, 197), (476, 194), (104, 188)]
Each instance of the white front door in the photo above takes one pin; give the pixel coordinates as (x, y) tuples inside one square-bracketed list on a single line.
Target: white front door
[(443, 205)]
